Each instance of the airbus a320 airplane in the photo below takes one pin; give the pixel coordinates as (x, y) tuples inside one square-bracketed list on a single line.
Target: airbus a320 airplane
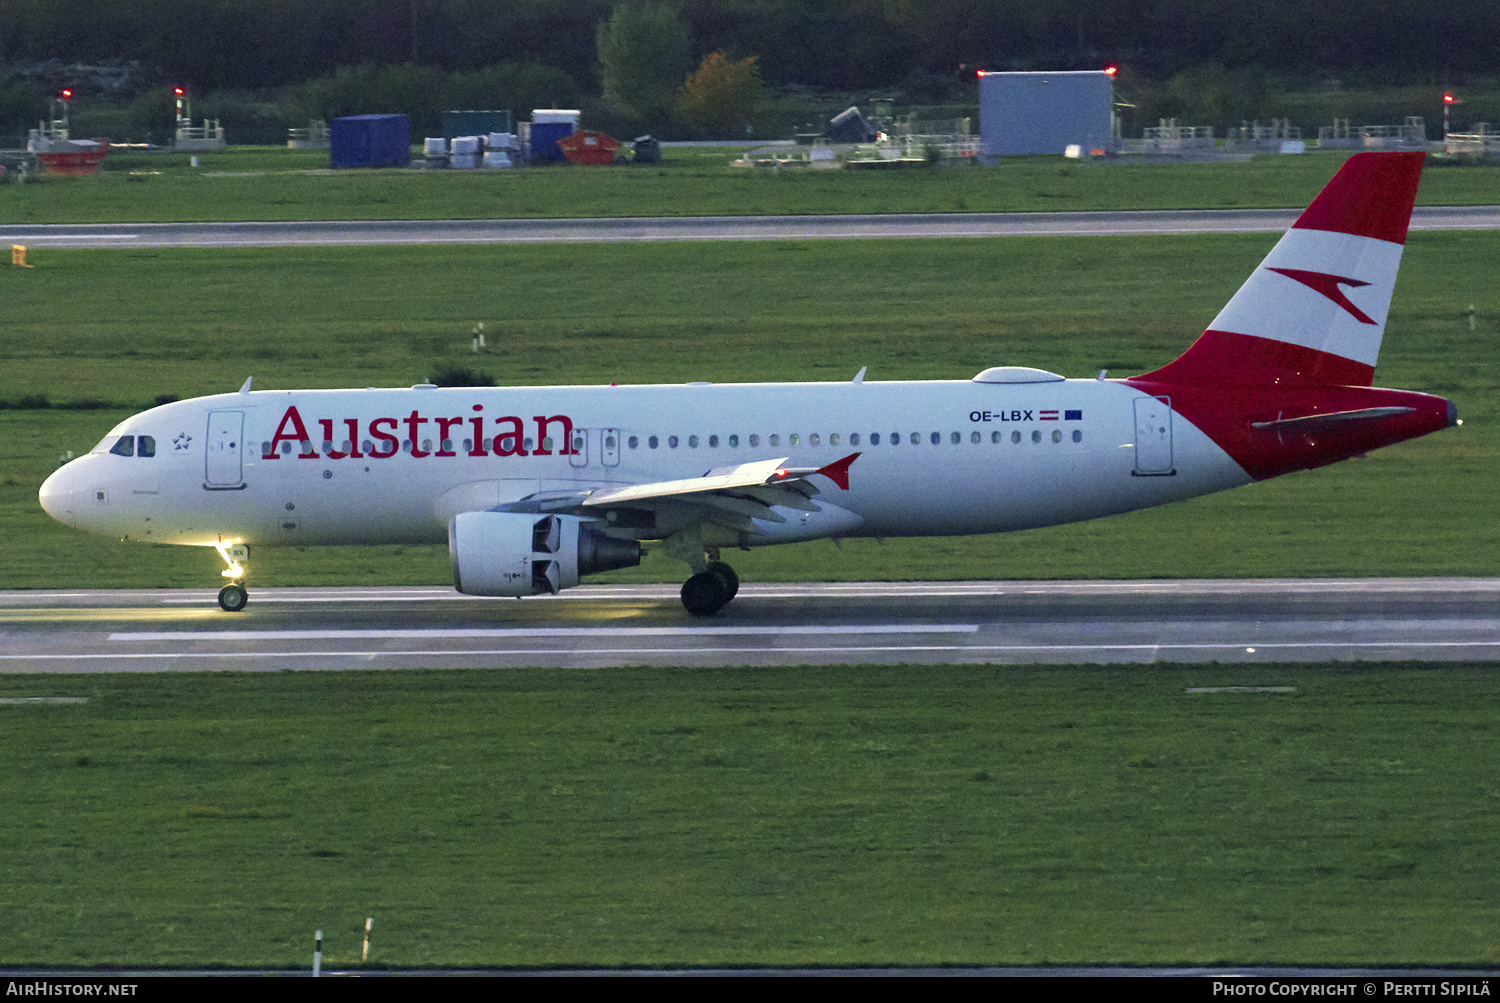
[(535, 487)]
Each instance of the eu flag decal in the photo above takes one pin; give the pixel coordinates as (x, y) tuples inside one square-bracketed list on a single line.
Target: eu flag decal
[(1073, 415)]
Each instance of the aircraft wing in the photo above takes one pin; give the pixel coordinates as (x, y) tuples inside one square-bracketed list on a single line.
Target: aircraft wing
[(761, 474), (728, 496)]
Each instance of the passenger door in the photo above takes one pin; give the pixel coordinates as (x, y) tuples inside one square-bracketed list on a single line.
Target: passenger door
[(223, 455)]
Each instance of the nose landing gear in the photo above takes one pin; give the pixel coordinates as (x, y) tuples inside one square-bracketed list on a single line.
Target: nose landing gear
[(233, 597)]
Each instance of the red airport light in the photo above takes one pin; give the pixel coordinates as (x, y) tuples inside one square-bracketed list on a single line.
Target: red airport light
[(67, 94), (1111, 70), (1448, 98), (179, 91)]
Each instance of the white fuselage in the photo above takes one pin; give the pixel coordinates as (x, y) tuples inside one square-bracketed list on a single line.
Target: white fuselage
[(936, 458)]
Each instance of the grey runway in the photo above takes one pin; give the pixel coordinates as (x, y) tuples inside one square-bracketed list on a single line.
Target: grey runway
[(1126, 623), (524, 231)]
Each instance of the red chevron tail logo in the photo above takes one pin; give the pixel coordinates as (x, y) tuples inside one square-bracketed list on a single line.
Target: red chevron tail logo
[(1328, 285)]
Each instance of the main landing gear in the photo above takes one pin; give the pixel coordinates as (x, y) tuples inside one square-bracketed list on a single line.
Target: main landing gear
[(233, 597), (706, 593)]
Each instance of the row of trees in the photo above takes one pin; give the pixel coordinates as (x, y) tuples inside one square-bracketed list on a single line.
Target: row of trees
[(702, 68), (839, 44), (644, 51)]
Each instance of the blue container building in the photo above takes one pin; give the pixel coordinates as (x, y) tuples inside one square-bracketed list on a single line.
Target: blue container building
[(370, 141)]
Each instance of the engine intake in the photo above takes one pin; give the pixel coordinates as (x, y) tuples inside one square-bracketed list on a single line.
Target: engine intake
[(524, 554)]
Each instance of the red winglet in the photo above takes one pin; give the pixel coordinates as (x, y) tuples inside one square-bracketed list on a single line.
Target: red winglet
[(1370, 196), (838, 470)]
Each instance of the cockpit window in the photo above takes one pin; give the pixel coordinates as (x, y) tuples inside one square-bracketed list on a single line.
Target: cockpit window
[(133, 445)]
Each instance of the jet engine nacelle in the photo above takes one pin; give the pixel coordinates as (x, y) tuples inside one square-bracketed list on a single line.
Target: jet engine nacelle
[(525, 554)]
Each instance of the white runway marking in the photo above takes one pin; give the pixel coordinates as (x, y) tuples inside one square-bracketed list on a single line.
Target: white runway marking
[(44, 699), (18, 237), (1086, 652), (1242, 689), (480, 632)]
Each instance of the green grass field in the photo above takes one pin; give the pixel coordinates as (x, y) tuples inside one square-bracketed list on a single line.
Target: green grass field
[(124, 326), (801, 816), (836, 816), (266, 183)]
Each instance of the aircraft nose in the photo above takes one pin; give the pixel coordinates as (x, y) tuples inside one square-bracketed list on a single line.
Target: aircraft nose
[(59, 495)]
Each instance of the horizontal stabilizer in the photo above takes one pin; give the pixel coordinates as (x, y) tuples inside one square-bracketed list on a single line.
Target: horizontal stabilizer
[(1314, 422)]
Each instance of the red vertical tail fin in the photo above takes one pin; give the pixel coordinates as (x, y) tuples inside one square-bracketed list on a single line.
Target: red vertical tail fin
[(1315, 310)]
